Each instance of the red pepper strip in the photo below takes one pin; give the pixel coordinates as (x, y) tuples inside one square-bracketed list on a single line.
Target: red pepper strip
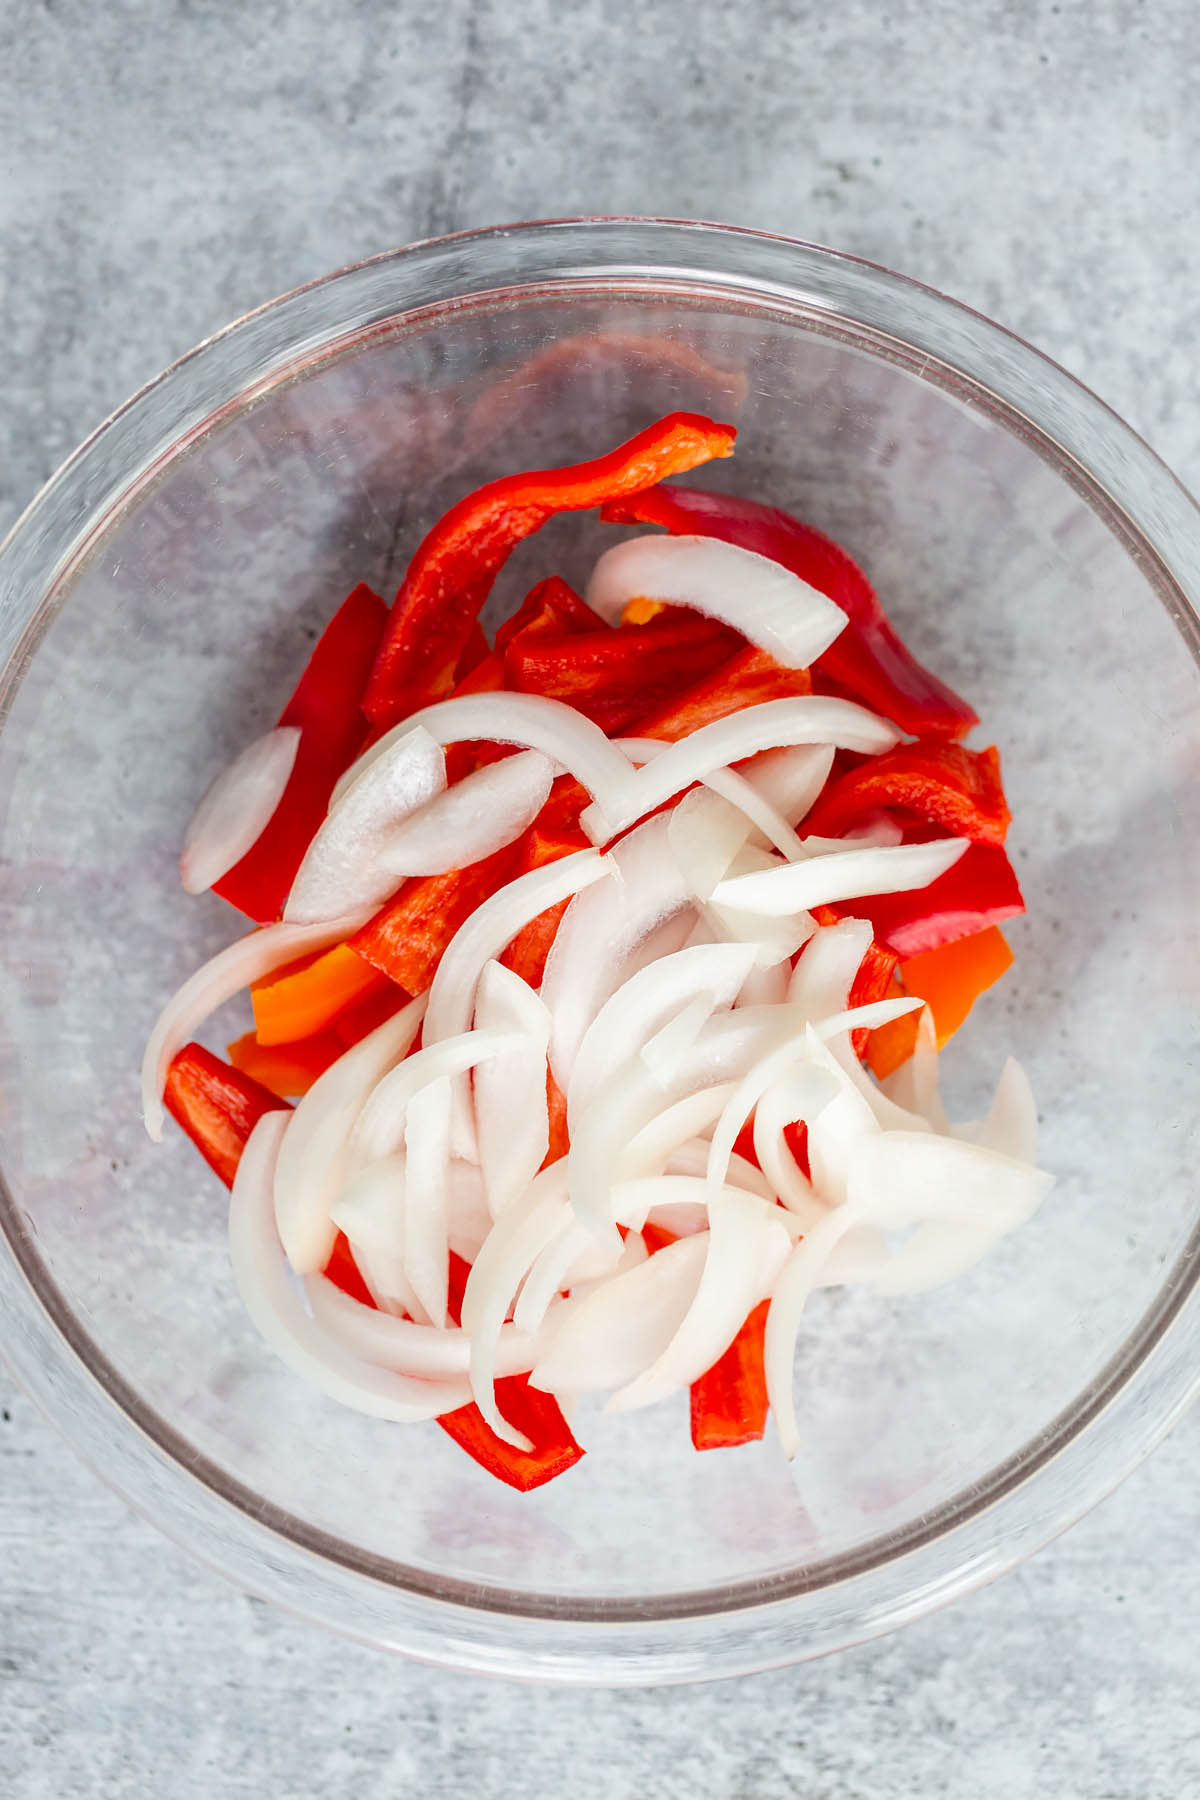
[(950, 786), (530, 1411), (615, 677), (874, 978), (747, 679), (980, 890), (452, 573), (406, 938), (326, 707), (729, 1403), (795, 1136), (459, 1270), (556, 1105), (343, 1271), (553, 605), (867, 660), (527, 953), (476, 651), (357, 1021), (217, 1106), (657, 1237)]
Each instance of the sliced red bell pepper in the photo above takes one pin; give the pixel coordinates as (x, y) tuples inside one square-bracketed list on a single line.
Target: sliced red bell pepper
[(947, 784), (551, 606), (874, 979), (729, 1403), (217, 1106), (615, 677), (980, 890), (475, 651), (352, 1026), (867, 660), (530, 1411), (407, 936), (344, 1273), (560, 1138), (656, 1237), (795, 1136), (527, 953), (749, 677), (326, 707), (452, 572)]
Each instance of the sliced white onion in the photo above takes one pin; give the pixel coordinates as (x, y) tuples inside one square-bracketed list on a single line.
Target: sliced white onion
[(838, 1127), (602, 931), (746, 1248), (469, 1219), (731, 786), (812, 1090), (790, 778), (663, 1053), (938, 1251), (650, 1149), (809, 719), (842, 875), (261, 1274), (248, 959), (823, 976), (342, 870), (514, 1244), (531, 720), (312, 1162), (388, 1285), (898, 1178), (512, 1125), (410, 1349), (571, 1257), (801, 1273), (608, 1337), (379, 1128), (427, 1158), (780, 1105), (692, 1159), (234, 811), (1011, 1125), (766, 985), (775, 940), (914, 1085), (767, 603), (370, 1207), (704, 833), (472, 819)]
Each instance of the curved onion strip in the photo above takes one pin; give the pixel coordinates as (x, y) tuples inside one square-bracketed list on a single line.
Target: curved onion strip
[(767, 603), (731, 786), (855, 1258), (472, 819), (663, 1053), (746, 1249), (705, 832), (573, 1255), (246, 960), (822, 978), (469, 1220), (790, 778), (603, 930), (775, 940), (810, 719), (231, 817), (801, 1274), (812, 1088), (514, 1244), (388, 1285), (938, 1251), (608, 1337), (837, 1128), (644, 1003), (342, 869), (899, 1178), (650, 1149), (766, 984), (914, 1085), (392, 1343), (312, 1162), (842, 875), (262, 1279), (427, 1156), (692, 1159), (1011, 1125), (532, 721), (512, 1125), (492, 927), (379, 1128), (370, 1208), (782, 1104)]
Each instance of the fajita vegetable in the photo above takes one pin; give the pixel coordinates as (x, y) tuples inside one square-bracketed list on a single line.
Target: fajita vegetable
[(608, 965)]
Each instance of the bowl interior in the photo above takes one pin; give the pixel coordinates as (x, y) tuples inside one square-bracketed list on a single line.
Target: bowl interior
[(177, 637)]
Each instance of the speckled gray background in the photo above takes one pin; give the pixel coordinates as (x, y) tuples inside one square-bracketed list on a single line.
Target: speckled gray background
[(166, 165)]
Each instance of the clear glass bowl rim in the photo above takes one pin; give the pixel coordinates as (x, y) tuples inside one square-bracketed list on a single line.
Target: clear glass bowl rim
[(1111, 1426)]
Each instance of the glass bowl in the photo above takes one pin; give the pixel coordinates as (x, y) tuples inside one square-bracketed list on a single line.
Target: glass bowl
[(155, 603)]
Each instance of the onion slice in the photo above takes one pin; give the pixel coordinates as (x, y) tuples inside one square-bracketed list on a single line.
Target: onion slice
[(248, 959), (380, 1126), (512, 1125), (472, 819), (810, 719), (261, 1275), (342, 869), (235, 810), (312, 1162), (411, 1349), (427, 1160), (843, 875), (610, 1336), (767, 603), (790, 778)]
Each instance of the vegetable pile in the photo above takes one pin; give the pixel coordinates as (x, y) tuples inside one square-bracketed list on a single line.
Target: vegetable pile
[(607, 965)]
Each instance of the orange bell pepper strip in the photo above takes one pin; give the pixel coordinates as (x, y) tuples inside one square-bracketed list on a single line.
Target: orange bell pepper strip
[(949, 979), (452, 572), (303, 1000), (326, 708), (729, 1402), (217, 1106), (289, 1070)]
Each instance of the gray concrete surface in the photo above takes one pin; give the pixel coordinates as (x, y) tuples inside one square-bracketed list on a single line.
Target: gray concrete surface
[(168, 163)]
